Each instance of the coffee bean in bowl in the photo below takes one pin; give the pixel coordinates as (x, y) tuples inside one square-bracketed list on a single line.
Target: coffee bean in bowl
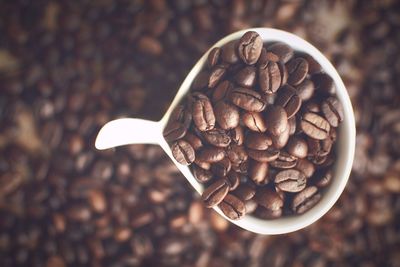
[(258, 125)]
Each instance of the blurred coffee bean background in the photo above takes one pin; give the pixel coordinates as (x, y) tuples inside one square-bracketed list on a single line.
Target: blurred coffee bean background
[(67, 67)]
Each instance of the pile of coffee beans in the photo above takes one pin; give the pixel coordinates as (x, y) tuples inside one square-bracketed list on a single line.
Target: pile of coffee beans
[(258, 129)]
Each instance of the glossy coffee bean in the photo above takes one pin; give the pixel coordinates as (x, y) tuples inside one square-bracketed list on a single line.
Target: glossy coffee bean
[(202, 112), (221, 168), (237, 135), (258, 172), (263, 155), (247, 99), (281, 50), (280, 141), (215, 193), (237, 154), (289, 100), (305, 199), (269, 199), (314, 126), (276, 119), (297, 69), (254, 121), (193, 140), (201, 175), (183, 152), (217, 137), (284, 161), (270, 77), (305, 90), (232, 207), (229, 53), (226, 115), (323, 83), (306, 167), (233, 180), (323, 178), (178, 124), (210, 154), (221, 92), (297, 147), (258, 141), (245, 191), (290, 180), (246, 77), (249, 47), (213, 57), (333, 111), (216, 75)]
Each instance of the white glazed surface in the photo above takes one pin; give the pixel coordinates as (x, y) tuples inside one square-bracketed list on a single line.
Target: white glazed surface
[(129, 131)]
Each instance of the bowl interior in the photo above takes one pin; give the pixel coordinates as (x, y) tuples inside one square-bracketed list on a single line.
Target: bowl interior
[(345, 145)]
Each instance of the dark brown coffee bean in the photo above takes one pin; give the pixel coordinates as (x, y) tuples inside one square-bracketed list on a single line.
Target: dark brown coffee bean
[(270, 77), (249, 47), (215, 193), (284, 72), (318, 148), (306, 167), (183, 152), (258, 172), (257, 141), (297, 147), (333, 111), (297, 69), (201, 175), (247, 99), (202, 164), (305, 89), (314, 126), (323, 178), (250, 205), (323, 83), (241, 167), (254, 121), (210, 154), (284, 161), (193, 140), (305, 199), (276, 119), (227, 115), (233, 180), (282, 51), (292, 125), (229, 53), (201, 80), (221, 168), (280, 141), (290, 180), (237, 154), (213, 57), (313, 66), (202, 112), (246, 77), (245, 191), (178, 124), (216, 75), (312, 107), (269, 199), (237, 135), (263, 155), (267, 214), (289, 100), (222, 91), (232, 207), (217, 137)]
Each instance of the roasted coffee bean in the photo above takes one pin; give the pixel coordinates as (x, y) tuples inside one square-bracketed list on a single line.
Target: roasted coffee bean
[(222, 91), (215, 193), (201, 175), (269, 199), (263, 155), (292, 125), (284, 161), (314, 126), (202, 112), (193, 140), (284, 72), (183, 152), (306, 167), (318, 148), (258, 172), (280, 141), (323, 83), (313, 66), (297, 69), (245, 191), (254, 121), (250, 206), (232, 207), (290, 180), (237, 135), (305, 199), (305, 89), (289, 100), (247, 99), (201, 81), (246, 77), (270, 77), (216, 75), (233, 180), (217, 137), (323, 178), (267, 214), (210, 154), (333, 111), (281, 50), (241, 167), (202, 164), (178, 124), (226, 115), (222, 167), (237, 154), (297, 147), (229, 53), (276, 119), (257, 141), (249, 47), (213, 57), (312, 107)]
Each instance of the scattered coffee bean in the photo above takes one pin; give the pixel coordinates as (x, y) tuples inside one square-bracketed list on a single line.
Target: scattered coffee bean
[(297, 70), (254, 121), (183, 152), (297, 147), (283, 51), (226, 115), (217, 137), (203, 113), (246, 77), (258, 172), (314, 126), (232, 207), (270, 77), (257, 141), (215, 193), (290, 180), (249, 47), (276, 119), (213, 57), (305, 199), (269, 199), (333, 111), (201, 175), (289, 100), (247, 99)]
